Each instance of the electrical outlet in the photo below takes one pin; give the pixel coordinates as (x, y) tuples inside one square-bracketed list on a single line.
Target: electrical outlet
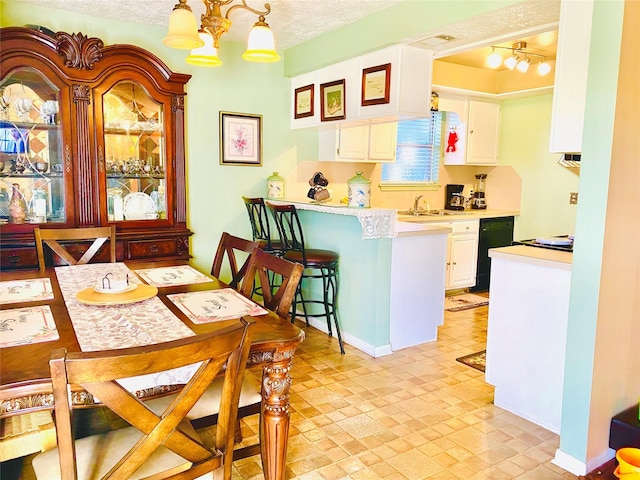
[(573, 198)]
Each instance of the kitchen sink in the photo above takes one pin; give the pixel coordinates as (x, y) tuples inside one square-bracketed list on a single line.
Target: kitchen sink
[(432, 213)]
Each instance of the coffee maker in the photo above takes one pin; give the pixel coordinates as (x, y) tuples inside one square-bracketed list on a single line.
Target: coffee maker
[(478, 201), (453, 199)]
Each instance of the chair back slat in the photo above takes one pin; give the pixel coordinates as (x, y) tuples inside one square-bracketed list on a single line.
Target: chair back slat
[(289, 228), (223, 352), (51, 237), (277, 278), (230, 248)]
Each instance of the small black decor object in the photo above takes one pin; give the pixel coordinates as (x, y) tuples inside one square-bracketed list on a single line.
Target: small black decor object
[(317, 191)]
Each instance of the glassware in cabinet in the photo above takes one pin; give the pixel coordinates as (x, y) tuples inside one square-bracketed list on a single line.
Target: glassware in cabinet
[(31, 146), (135, 155)]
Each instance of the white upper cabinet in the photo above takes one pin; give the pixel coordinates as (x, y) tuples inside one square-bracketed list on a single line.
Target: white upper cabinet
[(375, 143), (570, 87), (471, 130), (483, 135), (408, 92)]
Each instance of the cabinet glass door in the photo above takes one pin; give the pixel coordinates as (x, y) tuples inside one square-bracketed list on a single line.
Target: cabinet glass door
[(31, 161), (135, 154)]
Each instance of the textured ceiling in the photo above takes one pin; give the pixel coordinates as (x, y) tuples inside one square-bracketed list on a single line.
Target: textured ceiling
[(295, 21)]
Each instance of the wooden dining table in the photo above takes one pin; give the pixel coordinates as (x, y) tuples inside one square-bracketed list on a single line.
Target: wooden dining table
[(25, 383)]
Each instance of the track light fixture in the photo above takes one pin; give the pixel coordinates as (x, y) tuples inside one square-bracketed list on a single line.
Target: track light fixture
[(205, 42), (520, 59)]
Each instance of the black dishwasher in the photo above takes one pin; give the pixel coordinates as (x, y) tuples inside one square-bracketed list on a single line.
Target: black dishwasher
[(494, 232)]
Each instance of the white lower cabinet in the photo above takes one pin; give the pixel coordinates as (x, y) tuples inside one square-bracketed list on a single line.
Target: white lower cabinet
[(362, 143), (462, 254)]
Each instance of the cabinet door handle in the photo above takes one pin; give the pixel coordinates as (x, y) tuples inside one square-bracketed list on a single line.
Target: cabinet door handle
[(14, 259), (153, 248)]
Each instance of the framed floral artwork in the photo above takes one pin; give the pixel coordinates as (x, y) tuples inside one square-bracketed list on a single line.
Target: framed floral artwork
[(303, 102), (240, 139), (375, 84), (332, 103)]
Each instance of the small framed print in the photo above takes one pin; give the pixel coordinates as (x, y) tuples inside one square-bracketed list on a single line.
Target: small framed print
[(303, 102), (240, 139), (375, 84), (332, 101)]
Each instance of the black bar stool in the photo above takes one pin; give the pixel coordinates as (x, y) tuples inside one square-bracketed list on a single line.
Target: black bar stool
[(260, 227), (318, 264)]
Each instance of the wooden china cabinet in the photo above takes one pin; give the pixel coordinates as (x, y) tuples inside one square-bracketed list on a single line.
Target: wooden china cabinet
[(90, 135)]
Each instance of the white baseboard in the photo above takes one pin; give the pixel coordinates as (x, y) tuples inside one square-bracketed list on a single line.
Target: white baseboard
[(578, 467), (321, 324)]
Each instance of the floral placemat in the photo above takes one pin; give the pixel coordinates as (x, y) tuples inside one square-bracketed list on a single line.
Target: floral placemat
[(21, 326), (115, 326), (171, 276), (215, 305), (30, 290)]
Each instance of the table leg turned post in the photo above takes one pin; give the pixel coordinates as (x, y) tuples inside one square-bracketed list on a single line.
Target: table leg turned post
[(274, 425)]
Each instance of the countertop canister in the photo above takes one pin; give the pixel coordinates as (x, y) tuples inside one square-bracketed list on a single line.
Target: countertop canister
[(275, 186), (359, 191)]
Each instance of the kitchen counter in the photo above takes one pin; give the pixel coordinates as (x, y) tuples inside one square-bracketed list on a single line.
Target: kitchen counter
[(375, 222), (534, 255), (526, 332), (459, 215)]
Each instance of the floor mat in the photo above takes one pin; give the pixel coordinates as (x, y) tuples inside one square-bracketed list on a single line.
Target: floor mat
[(464, 301), (476, 360)]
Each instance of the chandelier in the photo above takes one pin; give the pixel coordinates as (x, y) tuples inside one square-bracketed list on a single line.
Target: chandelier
[(520, 59), (205, 41)]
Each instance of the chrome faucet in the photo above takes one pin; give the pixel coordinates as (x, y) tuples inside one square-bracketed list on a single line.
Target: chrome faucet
[(415, 204)]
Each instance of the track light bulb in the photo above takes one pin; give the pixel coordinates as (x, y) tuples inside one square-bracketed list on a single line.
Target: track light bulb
[(510, 62), (543, 68), (523, 65), (494, 59)]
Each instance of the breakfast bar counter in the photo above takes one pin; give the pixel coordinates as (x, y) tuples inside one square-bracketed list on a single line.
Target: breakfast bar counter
[(526, 333), (391, 274)]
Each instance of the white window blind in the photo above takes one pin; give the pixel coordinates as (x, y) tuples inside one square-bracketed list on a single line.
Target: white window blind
[(417, 152)]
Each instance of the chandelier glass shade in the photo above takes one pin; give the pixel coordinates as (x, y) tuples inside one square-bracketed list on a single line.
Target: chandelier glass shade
[(205, 42), (519, 59), (205, 56)]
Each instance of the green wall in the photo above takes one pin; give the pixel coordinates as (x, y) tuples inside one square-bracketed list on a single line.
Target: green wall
[(524, 145), (586, 276)]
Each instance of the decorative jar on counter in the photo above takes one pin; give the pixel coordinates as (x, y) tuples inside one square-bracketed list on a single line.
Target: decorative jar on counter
[(275, 186), (359, 191)]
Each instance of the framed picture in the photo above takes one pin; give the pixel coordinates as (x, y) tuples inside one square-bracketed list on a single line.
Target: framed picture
[(303, 102), (375, 84), (240, 139), (332, 101)]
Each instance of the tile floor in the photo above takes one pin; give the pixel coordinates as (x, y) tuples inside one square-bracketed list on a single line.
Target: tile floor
[(416, 414)]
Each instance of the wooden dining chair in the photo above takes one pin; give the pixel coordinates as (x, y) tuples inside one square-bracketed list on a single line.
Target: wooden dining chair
[(52, 236), (278, 298), (277, 278), (158, 445), (230, 248)]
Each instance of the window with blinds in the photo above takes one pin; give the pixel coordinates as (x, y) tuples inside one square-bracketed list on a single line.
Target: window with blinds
[(417, 153)]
